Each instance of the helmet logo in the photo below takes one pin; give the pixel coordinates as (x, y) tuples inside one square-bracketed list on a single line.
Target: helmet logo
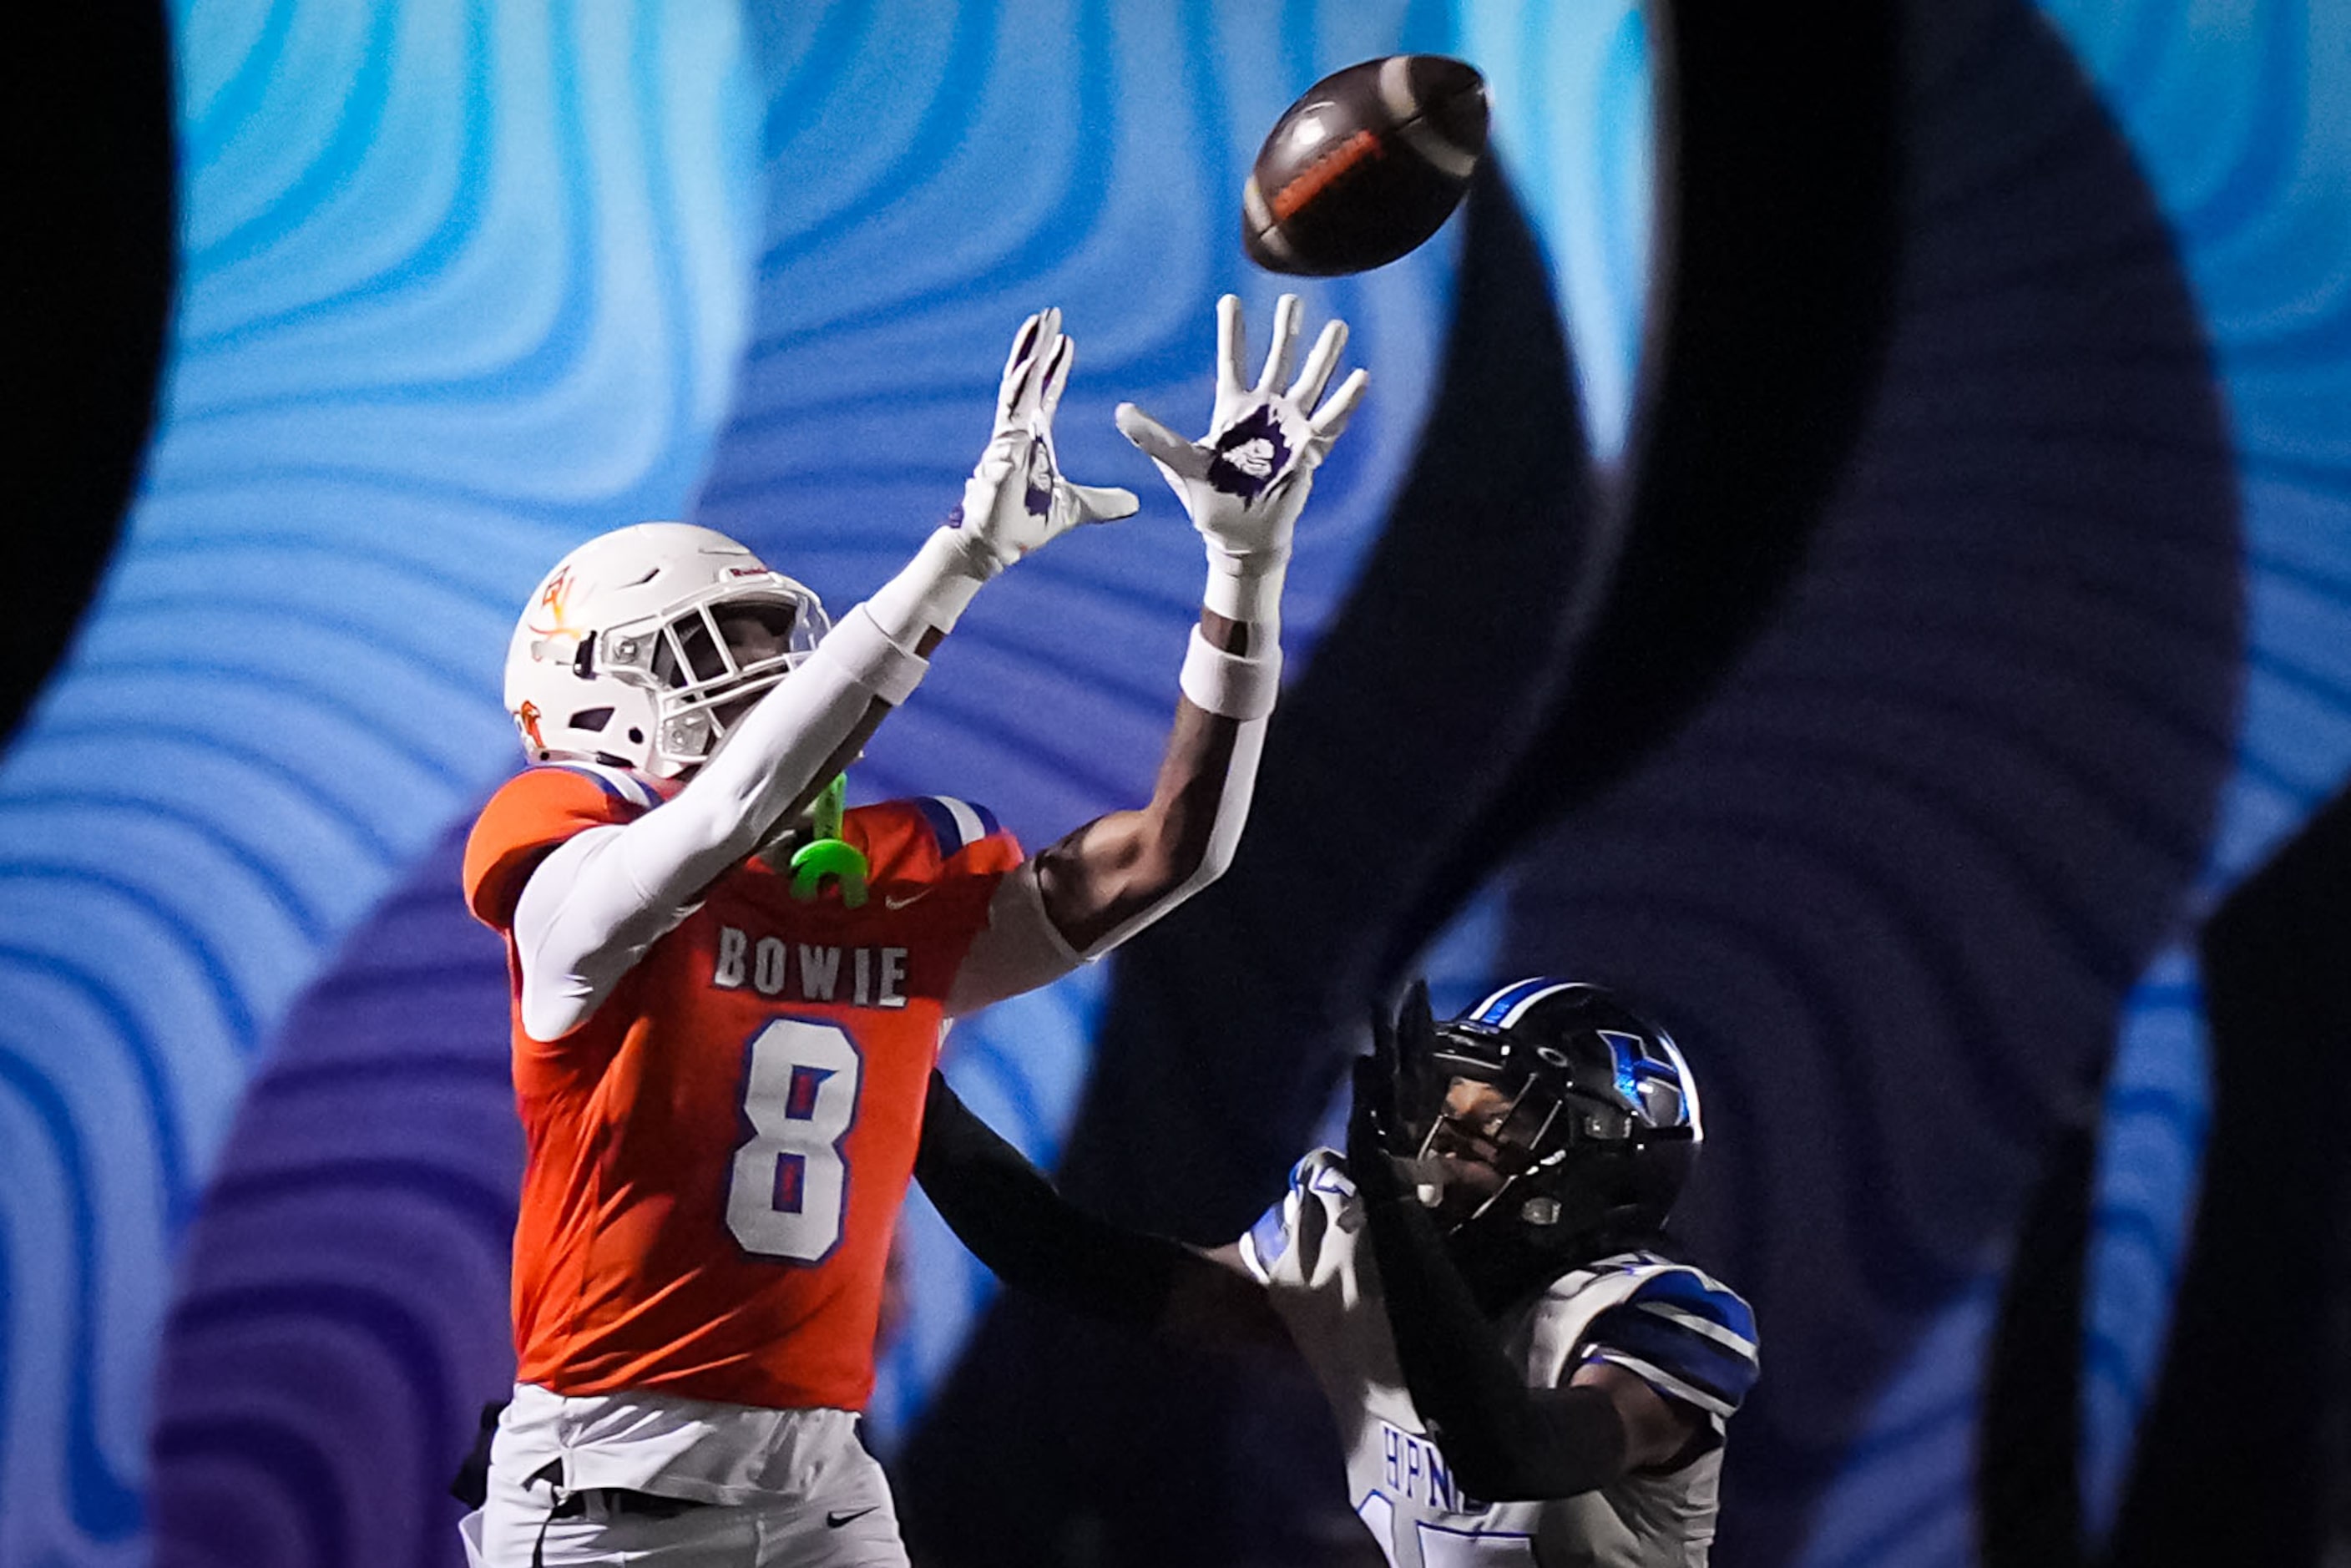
[(553, 599), (632, 627)]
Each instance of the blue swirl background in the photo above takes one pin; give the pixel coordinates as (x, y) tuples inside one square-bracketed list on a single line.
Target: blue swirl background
[(2243, 131), (463, 284)]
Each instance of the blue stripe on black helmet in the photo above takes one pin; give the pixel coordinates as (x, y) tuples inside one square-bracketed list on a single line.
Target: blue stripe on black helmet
[(1598, 1128)]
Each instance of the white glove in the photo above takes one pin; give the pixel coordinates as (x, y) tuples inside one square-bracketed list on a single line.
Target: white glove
[(1245, 481), (1017, 500)]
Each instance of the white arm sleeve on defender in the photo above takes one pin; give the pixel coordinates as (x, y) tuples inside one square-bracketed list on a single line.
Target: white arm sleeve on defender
[(591, 908)]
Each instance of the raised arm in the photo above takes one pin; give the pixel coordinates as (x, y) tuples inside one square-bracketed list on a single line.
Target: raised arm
[(594, 905), (1009, 1214), (1243, 484)]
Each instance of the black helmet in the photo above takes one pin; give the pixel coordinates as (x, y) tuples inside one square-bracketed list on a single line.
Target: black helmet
[(1599, 1132)]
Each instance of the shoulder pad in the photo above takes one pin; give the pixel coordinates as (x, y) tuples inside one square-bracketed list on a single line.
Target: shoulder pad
[(955, 825), (919, 834), (1685, 1334), (531, 813), (618, 783)]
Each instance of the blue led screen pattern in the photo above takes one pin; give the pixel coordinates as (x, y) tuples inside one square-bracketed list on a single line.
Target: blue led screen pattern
[(756, 269)]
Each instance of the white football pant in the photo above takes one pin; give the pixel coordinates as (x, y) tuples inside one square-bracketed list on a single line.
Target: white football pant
[(852, 1525)]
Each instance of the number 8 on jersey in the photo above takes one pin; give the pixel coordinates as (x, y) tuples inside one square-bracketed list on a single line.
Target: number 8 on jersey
[(790, 1188)]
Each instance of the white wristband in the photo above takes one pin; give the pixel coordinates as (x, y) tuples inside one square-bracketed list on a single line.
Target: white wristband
[(933, 588), (1231, 685), (1246, 588)]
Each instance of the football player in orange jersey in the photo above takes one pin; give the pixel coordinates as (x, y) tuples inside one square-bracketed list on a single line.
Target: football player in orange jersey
[(729, 995)]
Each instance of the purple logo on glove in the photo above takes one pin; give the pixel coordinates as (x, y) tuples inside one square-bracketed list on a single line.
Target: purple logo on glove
[(1249, 455), (1039, 497)]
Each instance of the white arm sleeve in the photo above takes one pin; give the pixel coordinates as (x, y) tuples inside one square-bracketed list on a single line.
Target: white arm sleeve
[(578, 928), (597, 902), (1020, 950), (1241, 687), (671, 853), (1224, 838)]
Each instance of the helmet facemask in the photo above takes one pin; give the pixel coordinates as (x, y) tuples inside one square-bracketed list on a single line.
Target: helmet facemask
[(1587, 1115), (681, 657)]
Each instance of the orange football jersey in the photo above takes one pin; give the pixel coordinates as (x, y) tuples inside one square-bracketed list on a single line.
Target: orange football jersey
[(716, 1157)]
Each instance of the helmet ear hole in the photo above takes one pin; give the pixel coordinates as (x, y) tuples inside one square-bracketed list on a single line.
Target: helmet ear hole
[(591, 718)]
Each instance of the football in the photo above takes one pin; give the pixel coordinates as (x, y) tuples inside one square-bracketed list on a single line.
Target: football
[(1365, 166)]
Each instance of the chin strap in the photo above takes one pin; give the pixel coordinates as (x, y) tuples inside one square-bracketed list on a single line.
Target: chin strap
[(828, 854)]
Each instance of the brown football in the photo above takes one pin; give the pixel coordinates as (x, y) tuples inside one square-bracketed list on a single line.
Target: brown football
[(1365, 166)]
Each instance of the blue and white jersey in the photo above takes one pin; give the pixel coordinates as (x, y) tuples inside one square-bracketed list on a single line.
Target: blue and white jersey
[(1679, 1331)]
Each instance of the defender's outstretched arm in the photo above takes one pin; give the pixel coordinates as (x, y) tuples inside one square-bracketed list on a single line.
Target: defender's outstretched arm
[(1009, 1214)]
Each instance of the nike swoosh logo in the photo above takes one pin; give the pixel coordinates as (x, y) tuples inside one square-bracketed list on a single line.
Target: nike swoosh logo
[(892, 900), (839, 1517)]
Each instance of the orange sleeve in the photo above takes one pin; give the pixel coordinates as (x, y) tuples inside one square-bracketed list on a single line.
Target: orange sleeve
[(939, 840), (531, 813)]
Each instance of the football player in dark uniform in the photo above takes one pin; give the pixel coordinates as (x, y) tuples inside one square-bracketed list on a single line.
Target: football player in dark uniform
[(1527, 1372)]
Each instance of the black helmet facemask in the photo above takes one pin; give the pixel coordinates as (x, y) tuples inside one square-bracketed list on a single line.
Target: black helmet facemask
[(1598, 1128)]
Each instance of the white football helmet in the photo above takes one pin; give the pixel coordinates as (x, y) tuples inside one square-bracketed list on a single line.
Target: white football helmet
[(619, 656)]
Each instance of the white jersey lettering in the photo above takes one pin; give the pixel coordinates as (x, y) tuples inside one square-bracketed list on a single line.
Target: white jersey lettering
[(878, 977), (819, 972), (727, 973), (771, 967)]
